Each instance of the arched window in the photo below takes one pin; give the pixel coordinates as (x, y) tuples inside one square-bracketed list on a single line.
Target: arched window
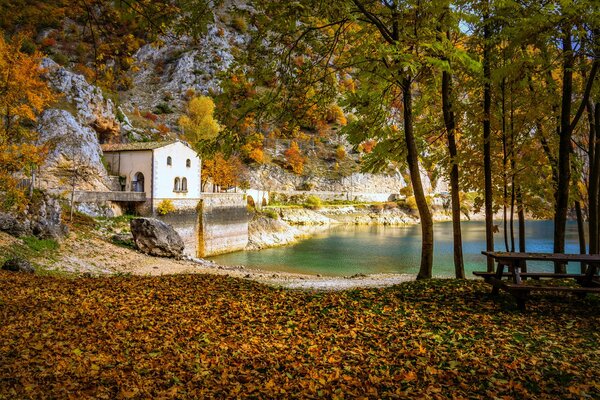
[(188, 163), (169, 161), (184, 184), (177, 185)]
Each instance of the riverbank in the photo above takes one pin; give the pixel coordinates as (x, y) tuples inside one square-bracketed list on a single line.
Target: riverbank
[(91, 254)]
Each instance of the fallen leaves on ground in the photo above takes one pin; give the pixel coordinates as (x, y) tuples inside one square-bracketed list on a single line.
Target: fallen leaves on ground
[(195, 336)]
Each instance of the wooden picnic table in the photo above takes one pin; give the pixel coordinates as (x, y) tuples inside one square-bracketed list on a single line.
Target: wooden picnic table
[(514, 261)]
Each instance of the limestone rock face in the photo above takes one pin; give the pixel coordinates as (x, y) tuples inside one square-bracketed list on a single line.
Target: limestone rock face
[(273, 178), (182, 64), (156, 238), (73, 146), (92, 108), (18, 265)]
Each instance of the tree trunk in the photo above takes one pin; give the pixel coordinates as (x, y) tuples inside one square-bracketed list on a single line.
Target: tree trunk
[(564, 164), (487, 150), (513, 168), (594, 114), (450, 123), (521, 216), (580, 232), (412, 158), (504, 165)]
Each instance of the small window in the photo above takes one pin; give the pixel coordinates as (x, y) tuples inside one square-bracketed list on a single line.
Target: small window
[(184, 184), (169, 161), (188, 163), (177, 185)]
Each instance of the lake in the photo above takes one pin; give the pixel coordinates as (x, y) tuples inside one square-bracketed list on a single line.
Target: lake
[(348, 250)]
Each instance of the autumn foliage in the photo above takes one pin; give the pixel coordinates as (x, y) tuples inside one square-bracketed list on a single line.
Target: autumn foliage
[(294, 158), (23, 95), (198, 123), (201, 336), (222, 172)]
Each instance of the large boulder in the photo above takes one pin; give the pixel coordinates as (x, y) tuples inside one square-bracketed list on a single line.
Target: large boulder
[(156, 238), (18, 265)]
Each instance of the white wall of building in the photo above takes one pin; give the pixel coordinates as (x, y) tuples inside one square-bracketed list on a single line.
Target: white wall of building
[(164, 174)]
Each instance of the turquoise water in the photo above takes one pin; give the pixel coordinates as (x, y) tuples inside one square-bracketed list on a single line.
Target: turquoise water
[(348, 250)]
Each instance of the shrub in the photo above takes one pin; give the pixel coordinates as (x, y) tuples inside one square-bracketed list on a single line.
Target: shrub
[(163, 108), (313, 202), (165, 207), (28, 47), (239, 24), (376, 207), (271, 214), (411, 202), (406, 191), (150, 116), (163, 129), (60, 59)]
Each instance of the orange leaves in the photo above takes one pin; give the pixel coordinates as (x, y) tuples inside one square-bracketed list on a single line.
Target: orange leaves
[(23, 94), (223, 172), (202, 336), (295, 159)]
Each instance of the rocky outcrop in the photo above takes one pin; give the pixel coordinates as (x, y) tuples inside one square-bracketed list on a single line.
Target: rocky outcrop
[(18, 265), (92, 109), (156, 238), (273, 178), (13, 226), (265, 232), (303, 216), (167, 72), (41, 219), (369, 215), (75, 150)]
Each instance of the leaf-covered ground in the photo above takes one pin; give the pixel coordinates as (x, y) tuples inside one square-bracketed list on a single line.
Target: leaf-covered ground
[(195, 336)]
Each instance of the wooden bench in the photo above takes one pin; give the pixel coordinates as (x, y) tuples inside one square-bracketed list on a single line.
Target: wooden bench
[(589, 282)]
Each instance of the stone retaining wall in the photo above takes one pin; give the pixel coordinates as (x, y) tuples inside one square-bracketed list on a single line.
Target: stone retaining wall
[(223, 223), (185, 223)]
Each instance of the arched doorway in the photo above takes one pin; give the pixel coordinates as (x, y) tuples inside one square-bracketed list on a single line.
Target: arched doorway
[(137, 185)]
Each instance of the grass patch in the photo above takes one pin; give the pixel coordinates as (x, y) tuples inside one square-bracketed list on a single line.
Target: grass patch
[(199, 336), (40, 245)]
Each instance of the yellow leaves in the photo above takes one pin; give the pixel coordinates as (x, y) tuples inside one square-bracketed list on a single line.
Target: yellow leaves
[(198, 123)]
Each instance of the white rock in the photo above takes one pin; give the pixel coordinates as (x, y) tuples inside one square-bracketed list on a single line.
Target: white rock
[(71, 142), (89, 100)]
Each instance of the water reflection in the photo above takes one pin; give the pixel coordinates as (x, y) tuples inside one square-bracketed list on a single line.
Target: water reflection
[(348, 250)]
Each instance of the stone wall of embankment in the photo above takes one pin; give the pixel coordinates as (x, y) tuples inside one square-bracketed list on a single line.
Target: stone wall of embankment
[(223, 224)]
